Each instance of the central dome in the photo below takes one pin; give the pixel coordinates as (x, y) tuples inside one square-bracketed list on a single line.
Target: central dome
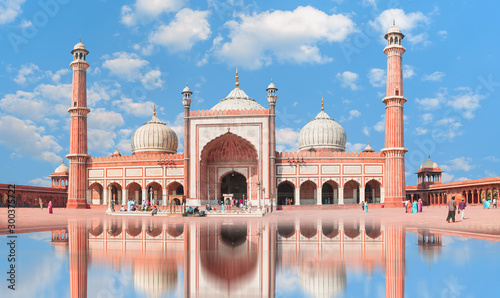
[(237, 99), (154, 137), (322, 133)]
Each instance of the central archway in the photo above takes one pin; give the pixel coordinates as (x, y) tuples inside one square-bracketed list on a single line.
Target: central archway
[(234, 183), (233, 155)]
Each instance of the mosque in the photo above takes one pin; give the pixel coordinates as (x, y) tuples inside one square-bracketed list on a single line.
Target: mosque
[(230, 151)]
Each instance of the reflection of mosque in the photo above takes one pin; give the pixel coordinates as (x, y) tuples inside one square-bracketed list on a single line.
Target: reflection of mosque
[(236, 259)]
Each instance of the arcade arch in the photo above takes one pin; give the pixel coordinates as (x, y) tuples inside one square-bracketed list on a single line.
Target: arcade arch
[(330, 192), (308, 193), (351, 192), (286, 193)]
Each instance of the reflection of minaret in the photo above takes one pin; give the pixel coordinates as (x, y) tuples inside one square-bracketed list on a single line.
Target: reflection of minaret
[(78, 247), (394, 260)]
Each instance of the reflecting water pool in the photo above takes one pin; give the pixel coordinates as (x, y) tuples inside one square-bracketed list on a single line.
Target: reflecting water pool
[(249, 258)]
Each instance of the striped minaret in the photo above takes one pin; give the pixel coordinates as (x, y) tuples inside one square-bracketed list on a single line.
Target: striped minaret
[(78, 134), (394, 151)]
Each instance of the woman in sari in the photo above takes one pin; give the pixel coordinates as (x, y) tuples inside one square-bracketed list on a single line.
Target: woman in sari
[(50, 207), (419, 205), (408, 206), (41, 204), (414, 207)]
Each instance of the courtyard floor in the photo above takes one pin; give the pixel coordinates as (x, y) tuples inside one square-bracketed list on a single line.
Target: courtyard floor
[(477, 220)]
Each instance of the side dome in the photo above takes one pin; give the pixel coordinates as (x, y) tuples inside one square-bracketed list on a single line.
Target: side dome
[(429, 164), (322, 133), (62, 168), (154, 137)]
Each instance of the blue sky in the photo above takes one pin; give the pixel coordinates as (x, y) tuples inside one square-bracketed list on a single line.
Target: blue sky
[(143, 53)]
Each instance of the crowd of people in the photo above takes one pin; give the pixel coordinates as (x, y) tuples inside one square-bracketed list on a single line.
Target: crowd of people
[(490, 204), (415, 207)]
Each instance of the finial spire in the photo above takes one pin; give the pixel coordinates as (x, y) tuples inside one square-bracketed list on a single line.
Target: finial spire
[(80, 39), (154, 110), (429, 156), (394, 22), (237, 78), (322, 104)]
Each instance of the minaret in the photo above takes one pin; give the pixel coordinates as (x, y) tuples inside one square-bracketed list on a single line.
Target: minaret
[(186, 102), (394, 151), (78, 137), (272, 98)]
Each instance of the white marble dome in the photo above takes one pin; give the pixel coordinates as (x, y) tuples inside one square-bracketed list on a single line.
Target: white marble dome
[(154, 136), (429, 164), (237, 99), (62, 168), (322, 133)]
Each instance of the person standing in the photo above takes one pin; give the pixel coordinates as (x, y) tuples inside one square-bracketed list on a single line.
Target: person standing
[(414, 209), (419, 205), (452, 205), (408, 206), (41, 204), (50, 207), (495, 203), (461, 208), (366, 208)]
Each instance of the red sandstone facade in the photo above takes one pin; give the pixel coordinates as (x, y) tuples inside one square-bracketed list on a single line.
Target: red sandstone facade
[(231, 149)]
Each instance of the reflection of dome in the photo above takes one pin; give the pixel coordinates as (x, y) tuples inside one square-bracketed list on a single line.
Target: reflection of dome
[(62, 168), (429, 164), (155, 279), (322, 133), (154, 136), (322, 280)]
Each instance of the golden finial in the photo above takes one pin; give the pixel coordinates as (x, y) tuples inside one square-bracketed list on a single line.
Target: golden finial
[(322, 104), (237, 78), (154, 110)]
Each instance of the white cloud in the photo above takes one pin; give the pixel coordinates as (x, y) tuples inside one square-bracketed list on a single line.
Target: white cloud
[(125, 65), (357, 147), (467, 102), (287, 36), (372, 3), (348, 79), (152, 79), (366, 131), (131, 67), (9, 10), (41, 182), (23, 137), (459, 164), (100, 140), (104, 120), (56, 77), (377, 77), (352, 114), (429, 103), (436, 76), (446, 177), (287, 139), (492, 158), (408, 71), (101, 91), (408, 23), (28, 73), (138, 109), (44, 101), (188, 27), (448, 128), (380, 126), (148, 10), (420, 131), (427, 118), (443, 34)]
